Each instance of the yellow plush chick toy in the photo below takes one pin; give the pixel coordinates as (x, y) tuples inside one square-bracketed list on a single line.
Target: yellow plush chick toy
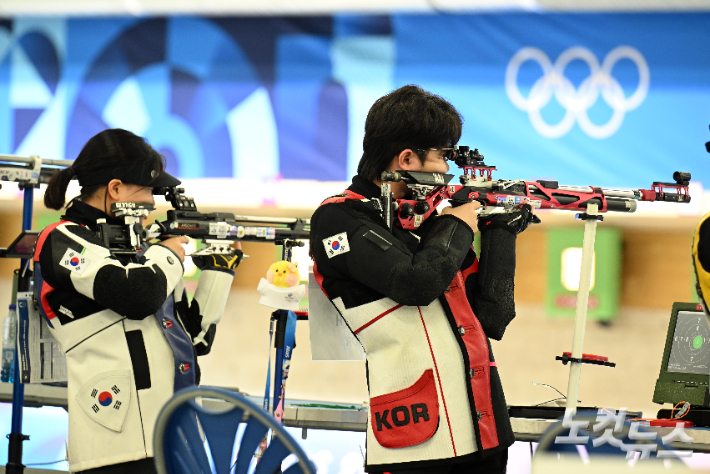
[(283, 274)]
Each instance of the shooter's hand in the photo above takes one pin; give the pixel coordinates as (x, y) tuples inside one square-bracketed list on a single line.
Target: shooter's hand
[(175, 244), (514, 222), (230, 260), (466, 212)]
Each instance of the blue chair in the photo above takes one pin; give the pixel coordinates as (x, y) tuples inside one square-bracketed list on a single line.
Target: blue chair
[(180, 448)]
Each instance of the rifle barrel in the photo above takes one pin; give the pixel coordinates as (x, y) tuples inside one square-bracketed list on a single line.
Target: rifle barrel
[(618, 193), (613, 204), (270, 220)]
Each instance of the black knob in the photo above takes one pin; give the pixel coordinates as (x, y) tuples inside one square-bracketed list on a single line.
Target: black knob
[(422, 207), (406, 210), (390, 176), (139, 230)]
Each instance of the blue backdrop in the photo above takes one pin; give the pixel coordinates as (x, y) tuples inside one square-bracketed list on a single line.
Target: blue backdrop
[(615, 100)]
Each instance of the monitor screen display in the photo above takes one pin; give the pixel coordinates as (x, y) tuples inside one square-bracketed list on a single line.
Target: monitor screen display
[(23, 246), (690, 351)]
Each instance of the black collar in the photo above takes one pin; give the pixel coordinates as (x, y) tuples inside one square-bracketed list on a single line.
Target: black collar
[(365, 188), (85, 214)]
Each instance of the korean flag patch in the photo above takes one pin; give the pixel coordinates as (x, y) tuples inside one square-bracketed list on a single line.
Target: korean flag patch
[(75, 261), (336, 245), (106, 397)]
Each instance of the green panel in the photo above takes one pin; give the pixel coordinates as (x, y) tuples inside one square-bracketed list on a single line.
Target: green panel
[(604, 296), (43, 217)]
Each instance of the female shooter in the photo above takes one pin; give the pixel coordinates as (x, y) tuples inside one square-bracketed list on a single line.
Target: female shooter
[(124, 321)]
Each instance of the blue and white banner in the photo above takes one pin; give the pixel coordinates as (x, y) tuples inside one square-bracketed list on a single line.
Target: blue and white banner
[(614, 100)]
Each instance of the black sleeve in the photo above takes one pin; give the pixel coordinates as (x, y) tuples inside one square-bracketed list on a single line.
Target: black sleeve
[(378, 260), (490, 291)]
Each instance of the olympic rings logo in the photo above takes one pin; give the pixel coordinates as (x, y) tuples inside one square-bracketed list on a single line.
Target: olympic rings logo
[(576, 102)]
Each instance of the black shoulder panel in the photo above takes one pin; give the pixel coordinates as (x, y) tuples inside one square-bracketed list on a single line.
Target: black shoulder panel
[(85, 233)]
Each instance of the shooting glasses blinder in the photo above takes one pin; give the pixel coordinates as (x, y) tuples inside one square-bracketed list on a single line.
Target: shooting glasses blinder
[(449, 152), (138, 174)]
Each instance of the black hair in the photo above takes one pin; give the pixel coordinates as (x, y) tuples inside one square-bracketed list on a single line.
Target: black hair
[(111, 148), (407, 118)]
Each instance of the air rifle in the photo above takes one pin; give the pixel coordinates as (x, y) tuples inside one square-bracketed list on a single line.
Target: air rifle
[(216, 229), (219, 229), (477, 184)]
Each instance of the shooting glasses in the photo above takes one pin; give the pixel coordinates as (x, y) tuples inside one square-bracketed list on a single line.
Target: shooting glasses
[(450, 153)]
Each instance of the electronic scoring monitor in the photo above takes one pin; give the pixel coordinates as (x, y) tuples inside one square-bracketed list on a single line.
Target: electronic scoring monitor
[(685, 368)]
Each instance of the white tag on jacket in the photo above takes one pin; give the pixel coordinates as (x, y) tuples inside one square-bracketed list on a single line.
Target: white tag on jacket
[(336, 245), (74, 261), (105, 398)]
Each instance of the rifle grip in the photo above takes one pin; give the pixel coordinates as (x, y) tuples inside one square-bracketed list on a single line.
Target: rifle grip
[(458, 202)]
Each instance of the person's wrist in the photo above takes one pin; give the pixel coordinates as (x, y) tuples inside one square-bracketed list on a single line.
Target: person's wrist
[(458, 219)]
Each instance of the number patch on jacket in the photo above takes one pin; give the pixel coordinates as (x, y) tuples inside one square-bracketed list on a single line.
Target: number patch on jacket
[(336, 245)]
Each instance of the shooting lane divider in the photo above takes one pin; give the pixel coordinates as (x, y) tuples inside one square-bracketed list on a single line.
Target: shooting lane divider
[(28, 172), (285, 332), (285, 343), (285, 356)]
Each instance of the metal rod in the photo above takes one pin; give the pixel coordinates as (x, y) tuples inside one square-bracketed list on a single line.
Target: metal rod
[(625, 193), (279, 344), (270, 220), (31, 159), (580, 319), (14, 454)]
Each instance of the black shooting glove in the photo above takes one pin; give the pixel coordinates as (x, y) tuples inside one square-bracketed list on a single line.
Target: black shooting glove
[(514, 222), (230, 260)]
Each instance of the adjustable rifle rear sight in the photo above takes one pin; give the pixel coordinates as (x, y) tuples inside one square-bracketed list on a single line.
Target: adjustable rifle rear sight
[(176, 197)]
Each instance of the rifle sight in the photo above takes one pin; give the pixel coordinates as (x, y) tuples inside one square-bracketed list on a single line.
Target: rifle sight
[(467, 158), (682, 178), (176, 197)]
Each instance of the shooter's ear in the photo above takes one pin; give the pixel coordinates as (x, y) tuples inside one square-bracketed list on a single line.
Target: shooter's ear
[(114, 189), (408, 160)]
